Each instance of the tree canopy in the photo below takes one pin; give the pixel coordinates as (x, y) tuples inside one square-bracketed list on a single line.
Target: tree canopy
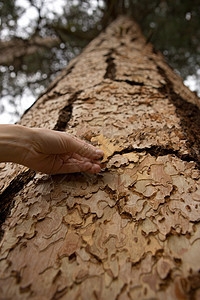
[(39, 37)]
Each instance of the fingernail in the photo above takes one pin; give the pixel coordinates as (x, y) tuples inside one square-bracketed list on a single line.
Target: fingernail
[(98, 161), (99, 153), (97, 169)]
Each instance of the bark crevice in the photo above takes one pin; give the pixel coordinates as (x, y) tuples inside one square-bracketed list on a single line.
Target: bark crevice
[(111, 66), (130, 82), (66, 113), (189, 116), (6, 197), (156, 151)]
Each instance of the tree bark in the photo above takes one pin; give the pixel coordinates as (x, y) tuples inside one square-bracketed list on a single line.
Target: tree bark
[(133, 231)]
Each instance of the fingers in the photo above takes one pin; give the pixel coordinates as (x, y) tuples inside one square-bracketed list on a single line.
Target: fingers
[(56, 142), (85, 150)]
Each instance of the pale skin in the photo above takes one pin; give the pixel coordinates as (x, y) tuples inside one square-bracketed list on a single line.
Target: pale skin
[(48, 151)]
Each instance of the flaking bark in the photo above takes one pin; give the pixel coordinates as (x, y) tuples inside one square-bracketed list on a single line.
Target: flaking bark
[(133, 231)]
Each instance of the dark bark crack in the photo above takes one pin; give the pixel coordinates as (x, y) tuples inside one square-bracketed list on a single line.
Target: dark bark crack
[(111, 67), (130, 82), (66, 113), (111, 70), (6, 197), (156, 151), (189, 115)]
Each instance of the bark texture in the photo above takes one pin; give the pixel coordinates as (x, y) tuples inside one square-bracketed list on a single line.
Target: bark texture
[(133, 231)]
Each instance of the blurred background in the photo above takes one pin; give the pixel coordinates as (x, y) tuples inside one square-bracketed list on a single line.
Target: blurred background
[(39, 37)]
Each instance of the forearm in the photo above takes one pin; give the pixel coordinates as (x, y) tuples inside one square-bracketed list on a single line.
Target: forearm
[(14, 143)]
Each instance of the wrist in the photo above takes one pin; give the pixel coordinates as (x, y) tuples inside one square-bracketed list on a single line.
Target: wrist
[(15, 141)]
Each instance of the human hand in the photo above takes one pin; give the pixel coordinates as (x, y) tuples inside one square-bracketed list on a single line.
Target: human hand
[(47, 151), (55, 152)]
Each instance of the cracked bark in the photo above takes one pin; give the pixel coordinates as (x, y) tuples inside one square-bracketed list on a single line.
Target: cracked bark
[(157, 151), (66, 113), (188, 113), (133, 231), (111, 68), (6, 197)]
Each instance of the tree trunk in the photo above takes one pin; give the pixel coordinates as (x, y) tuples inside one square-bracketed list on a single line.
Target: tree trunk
[(133, 231)]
